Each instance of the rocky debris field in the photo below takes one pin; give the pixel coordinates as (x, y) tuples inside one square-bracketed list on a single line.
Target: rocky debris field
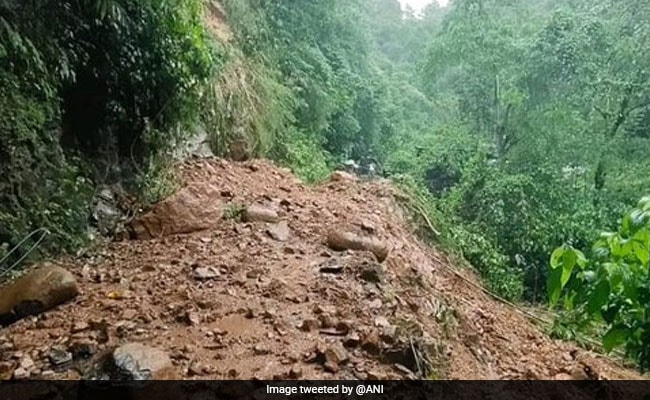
[(247, 273)]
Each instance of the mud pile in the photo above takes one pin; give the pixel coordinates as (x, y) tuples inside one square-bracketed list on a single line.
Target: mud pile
[(240, 275)]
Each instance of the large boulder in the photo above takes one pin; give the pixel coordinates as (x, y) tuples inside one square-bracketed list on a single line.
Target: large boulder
[(43, 288), (340, 240), (193, 208)]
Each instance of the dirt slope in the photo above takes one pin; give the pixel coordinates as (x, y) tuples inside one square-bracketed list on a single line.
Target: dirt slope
[(267, 308)]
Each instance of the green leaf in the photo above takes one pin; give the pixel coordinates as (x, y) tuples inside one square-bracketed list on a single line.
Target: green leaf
[(553, 286), (568, 262), (580, 258), (598, 297), (641, 252), (614, 337), (556, 256)]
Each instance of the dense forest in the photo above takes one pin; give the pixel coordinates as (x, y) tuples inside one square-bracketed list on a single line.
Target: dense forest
[(521, 129)]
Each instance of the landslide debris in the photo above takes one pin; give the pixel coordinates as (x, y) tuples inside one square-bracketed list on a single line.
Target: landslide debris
[(311, 283)]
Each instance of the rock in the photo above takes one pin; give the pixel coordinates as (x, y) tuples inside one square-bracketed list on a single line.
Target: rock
[(251, 313), (205, 273), (381, 322), (21, 373), (47, 374), (324, 309), (327, 321), (335, 356), (375, 304), (260, 350), (27, 363), (279, 231), (371, 342), (80, 327), (389, 334), (295, 372), (6, 371), (59, 355), (129, 314), (258, 213), (563, 376), (105, 212), (342, 176), (352, 340), (83, 349), (193, 208), (196, 369), (309, 325), (135, 361), (340, 240), (43, 288), (191, 318)]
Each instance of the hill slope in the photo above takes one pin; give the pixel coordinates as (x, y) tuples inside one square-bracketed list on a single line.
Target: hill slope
[(254, 299)]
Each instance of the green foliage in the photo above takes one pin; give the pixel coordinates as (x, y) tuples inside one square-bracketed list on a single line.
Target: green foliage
[(247, 108), (234, 211), (612, 286), (98, 91), (303, 155), (40, 187)]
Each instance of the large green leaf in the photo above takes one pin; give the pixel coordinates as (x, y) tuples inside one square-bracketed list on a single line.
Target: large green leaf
[(614, 337), (568, 262), (556, 257)]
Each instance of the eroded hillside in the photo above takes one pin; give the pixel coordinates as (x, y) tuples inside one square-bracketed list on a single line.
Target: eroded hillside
[(213, 291)]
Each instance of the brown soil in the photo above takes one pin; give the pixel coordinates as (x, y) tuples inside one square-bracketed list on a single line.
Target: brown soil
[(254, 318)]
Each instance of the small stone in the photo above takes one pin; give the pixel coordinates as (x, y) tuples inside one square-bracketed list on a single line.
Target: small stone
[(59, 355), (27, 363), (281, 327), (205, 273), (389, 334), (251, 313), (279, 231), (80, 327), (321, 309), (195, 369), (191, 318), (21, 373), (295, 372), (327, 321), (129, 314), (255, 213), (352, 340), (381, 322), (371, 342), (309, 325), (233, 373), (83, 349), (563, 376), (260, 350), (47, 374), (6, 371), (375, 304), (335, 355)]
